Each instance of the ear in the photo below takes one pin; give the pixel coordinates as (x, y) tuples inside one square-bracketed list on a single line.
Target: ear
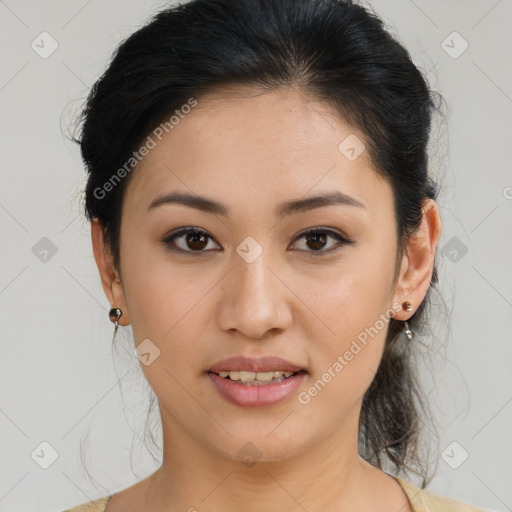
[(418, 260), (110, 280)]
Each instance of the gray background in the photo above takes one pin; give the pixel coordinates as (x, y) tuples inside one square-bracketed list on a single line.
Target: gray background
[(59, 384)]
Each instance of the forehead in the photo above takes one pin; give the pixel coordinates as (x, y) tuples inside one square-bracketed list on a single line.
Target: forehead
[(247, 143)]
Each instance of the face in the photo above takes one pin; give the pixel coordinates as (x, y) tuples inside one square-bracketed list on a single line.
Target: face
[(251, 282)]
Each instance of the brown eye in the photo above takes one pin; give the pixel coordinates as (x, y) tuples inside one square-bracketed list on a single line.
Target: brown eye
[(196, 241), (317, 238), (191, 240)]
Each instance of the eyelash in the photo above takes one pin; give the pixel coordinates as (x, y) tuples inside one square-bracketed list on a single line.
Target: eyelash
[(168, 241)]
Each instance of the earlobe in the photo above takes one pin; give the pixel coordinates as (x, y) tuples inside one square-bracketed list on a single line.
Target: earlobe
[(110, 281), (418, 260)]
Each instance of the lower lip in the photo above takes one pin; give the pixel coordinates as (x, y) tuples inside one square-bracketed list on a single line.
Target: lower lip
[(257, 396)]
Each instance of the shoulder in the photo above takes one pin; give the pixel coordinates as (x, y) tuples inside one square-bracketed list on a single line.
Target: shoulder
[(92, 506), (423, 500)]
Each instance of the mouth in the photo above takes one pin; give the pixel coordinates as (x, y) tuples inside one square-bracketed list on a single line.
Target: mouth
[(248, 378), (256, 382), (254, 389)]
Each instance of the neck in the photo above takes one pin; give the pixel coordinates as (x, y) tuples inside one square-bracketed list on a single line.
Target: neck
[(325, 476)]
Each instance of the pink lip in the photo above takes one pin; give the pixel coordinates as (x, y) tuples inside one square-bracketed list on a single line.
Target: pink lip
[(262, 364), (256, 396)]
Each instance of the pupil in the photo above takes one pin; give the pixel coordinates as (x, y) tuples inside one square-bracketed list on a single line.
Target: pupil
[(318, 238), (192, 239)]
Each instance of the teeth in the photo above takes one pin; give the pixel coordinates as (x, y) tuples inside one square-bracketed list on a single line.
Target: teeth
[(253, 376)]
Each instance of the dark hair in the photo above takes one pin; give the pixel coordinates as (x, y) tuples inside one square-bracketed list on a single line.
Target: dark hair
[(338, 52)]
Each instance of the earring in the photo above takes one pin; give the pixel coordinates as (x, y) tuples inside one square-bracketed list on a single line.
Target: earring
[(407, 331), (408, 307), (114, 315)]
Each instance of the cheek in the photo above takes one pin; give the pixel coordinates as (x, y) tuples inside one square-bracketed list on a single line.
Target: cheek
[(169, 306), (352, 295), (160, 296), (353, 305), (166, 309), (343, 363)]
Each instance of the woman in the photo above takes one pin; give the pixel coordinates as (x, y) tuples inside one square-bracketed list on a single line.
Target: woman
[(263, 218)]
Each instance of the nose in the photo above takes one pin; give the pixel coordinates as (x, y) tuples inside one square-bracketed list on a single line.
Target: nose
[(255, 300)]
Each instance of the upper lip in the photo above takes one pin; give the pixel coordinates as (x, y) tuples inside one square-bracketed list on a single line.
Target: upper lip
[(262, 364)]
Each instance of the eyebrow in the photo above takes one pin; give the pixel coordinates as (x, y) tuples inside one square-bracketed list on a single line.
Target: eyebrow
[(284, 209)]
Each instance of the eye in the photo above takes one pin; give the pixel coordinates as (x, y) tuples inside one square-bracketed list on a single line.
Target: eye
[(194, 240), (191, 238), (317, 238)]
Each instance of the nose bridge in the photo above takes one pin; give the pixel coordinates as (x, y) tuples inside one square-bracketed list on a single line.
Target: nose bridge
[(255, 284), (256, 301)]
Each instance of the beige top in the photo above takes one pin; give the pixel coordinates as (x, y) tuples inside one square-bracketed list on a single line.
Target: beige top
[(421, 500)]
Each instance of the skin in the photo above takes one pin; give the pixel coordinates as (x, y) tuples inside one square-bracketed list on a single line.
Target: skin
[(251, 152)]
